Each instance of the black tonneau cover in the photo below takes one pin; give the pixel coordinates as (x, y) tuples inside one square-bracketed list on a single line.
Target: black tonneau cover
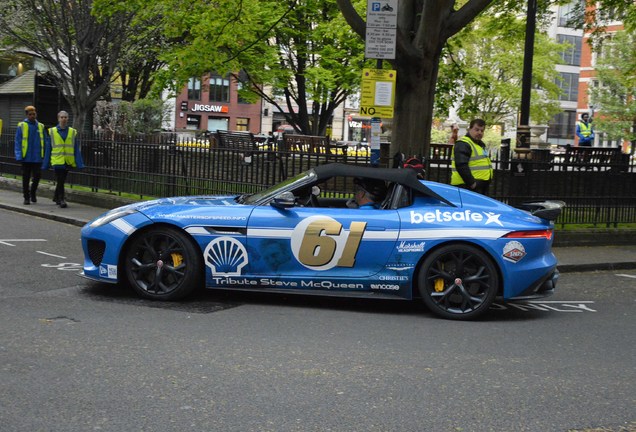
[(406, 177)]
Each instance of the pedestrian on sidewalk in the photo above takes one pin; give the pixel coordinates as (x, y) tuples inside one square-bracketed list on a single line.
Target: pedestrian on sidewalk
[(62, 153), (471, 167), (29, 151)]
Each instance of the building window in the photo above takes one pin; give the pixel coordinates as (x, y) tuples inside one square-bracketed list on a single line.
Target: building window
[(219, 88), (569, 84), (217, 123), (571, 14), (193, 122), (194, 88), (242, 124), (562, 125), (572, 55)]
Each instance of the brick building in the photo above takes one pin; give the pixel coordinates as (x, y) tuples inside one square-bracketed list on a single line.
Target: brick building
[(212, 102)]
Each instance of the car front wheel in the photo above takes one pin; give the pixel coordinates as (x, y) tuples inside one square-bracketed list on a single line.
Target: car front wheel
[(163, 264), (458, 282)]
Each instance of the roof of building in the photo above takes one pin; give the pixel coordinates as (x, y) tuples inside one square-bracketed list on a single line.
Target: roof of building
[(21, 84)]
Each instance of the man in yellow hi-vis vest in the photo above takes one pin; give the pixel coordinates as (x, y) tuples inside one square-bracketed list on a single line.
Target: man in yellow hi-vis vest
[(62, 153), (585, 131), (471, 167), (29, 151)]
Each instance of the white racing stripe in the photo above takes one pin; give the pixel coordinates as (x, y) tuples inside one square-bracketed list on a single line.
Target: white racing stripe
[(430, 234), (417, 234), (123, 226), (197, 230), (287, 233)]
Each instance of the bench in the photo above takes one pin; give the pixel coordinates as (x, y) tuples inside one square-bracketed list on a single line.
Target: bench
[(595, 158), (312, 144), (235, 140), (244, 142)]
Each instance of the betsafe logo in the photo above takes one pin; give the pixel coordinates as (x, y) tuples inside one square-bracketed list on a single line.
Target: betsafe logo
[(455, 216)]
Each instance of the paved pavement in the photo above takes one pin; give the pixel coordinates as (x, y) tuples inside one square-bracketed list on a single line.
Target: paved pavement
[(571, 259)]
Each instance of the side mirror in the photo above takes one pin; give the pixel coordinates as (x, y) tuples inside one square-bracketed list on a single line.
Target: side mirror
[(284, 201)]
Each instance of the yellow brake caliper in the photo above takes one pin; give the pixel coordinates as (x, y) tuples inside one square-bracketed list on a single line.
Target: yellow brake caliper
[(439, 283), (177, 259)]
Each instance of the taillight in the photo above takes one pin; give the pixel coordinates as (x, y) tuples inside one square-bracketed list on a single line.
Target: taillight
[(546, 234)]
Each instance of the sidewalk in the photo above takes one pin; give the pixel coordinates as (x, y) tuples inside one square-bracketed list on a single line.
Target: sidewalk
[(571, 259)]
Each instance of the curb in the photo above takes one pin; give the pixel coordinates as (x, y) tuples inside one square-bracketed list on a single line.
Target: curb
[(595, 237), (93, 199), (576, 268), (57, 218)]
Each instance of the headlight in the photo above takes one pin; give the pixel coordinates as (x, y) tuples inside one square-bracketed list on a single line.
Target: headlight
[(111, 216)]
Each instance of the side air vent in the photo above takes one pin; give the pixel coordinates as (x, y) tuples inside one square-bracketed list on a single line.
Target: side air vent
[(96, 250)]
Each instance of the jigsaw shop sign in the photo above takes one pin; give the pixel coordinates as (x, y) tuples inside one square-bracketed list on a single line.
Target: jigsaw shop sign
[(210, 108)]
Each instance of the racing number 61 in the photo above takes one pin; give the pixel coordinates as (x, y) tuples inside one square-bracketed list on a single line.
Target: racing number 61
[(318, 250)]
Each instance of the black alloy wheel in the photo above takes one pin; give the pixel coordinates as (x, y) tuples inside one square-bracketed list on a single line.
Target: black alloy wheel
[(163, 264), (458, 282)]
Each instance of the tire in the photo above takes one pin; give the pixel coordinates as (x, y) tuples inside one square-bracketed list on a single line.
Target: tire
[(458, 282), (163, 264)]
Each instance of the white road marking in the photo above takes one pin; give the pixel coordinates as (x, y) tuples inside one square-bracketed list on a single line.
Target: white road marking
[(50, 254), (561, 301), (626, 275), (9, 241)]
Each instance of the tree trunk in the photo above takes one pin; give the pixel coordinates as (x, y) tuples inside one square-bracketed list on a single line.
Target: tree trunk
[(412, 121)]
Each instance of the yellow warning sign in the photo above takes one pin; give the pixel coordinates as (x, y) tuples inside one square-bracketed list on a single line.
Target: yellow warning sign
[(377, 95)]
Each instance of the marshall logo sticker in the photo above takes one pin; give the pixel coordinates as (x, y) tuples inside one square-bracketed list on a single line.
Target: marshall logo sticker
[(514, 251), (411, 246)]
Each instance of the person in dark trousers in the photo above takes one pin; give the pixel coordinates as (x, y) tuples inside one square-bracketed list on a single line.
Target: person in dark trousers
[(29, 151), (585, 131), (471, 167), (62, 153)]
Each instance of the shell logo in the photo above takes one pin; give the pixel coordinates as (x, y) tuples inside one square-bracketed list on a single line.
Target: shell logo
[(225, 256)]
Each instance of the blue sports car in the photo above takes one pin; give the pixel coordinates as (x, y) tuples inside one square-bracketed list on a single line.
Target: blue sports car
[(454, 249)]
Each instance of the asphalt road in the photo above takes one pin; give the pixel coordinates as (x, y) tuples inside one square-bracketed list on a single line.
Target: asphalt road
[(77, 355)]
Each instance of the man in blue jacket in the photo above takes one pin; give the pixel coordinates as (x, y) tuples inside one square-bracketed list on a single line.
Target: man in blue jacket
[(29, 150), (62, 153), (585, 131)]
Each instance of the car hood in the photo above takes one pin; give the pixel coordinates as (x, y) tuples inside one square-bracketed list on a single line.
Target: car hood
[(194, 210), (187, 201)]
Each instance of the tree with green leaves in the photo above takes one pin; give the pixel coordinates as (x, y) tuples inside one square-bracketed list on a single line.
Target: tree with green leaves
[(299, 55), (614, 94), (486, 58), (81, 51), (596, 15), (424, 29), (141, 60), (142, 116)]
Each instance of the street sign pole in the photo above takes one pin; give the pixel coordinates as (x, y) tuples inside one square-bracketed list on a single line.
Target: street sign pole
[(380, 43)]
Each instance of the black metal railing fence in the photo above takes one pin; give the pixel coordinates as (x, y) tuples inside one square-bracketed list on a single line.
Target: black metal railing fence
[(170, 165)]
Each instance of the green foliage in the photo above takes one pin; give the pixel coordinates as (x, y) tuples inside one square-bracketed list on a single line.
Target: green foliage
[(595, 20), (440, 135), (141, 116), (292, 53), (483, 68), (81, 50), (616, 89)]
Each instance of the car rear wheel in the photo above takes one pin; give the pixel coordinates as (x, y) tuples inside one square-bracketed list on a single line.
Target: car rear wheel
[(163, 264), (458, 282)]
